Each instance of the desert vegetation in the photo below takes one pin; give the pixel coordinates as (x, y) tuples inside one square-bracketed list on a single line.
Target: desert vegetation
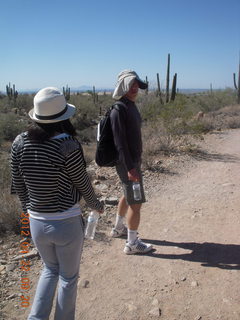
[(169, 128)]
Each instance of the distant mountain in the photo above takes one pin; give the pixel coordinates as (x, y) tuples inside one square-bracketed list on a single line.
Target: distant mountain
[(85, 88)]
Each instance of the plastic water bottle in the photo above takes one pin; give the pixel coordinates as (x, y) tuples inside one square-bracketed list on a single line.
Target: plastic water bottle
[(136, 191), (91, 225)]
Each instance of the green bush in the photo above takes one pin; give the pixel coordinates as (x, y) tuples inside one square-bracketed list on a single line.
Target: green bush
[(11, 125)]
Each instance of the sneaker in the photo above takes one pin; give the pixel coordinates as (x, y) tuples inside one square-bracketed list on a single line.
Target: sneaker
[(118, 233), (137, 247)]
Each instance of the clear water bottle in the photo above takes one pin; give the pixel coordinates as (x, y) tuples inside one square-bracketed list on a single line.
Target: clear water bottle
[(91, 225), (136, 191)]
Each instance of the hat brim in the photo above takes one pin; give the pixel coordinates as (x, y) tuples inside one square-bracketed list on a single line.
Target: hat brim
[(142, 85), (68, 114)]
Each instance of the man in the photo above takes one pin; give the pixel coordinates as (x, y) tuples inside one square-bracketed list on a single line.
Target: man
[(126, 126)]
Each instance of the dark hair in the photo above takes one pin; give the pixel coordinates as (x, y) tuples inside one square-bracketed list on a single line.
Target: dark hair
[(43, 131)]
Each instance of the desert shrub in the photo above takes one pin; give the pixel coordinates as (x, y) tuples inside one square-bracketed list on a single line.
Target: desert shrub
[(89, 152), (225, 118), (212, 101), (11, 125), (87, 135), (10, 206), (10, 212), (24, 102)]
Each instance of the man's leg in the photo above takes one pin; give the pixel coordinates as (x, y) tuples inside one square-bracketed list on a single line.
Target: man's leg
[(134, 244), (122, 207), (133, 221), (133, 216), (120, 229)]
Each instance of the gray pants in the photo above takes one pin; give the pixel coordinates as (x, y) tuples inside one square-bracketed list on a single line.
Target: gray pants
[(127, 184), (60, 244)]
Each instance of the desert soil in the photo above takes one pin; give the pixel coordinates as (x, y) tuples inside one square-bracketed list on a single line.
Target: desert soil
[(192, 220)]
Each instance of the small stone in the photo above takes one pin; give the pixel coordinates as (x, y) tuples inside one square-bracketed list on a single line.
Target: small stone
[(12, 296), (102, 187), (194, 284), (32, 254), (155, 302), (183, 279), (84, 283), (155, 312), (2, 268), (112, 201), (229, 184), (131, 307), (101, 177), (11, 267)]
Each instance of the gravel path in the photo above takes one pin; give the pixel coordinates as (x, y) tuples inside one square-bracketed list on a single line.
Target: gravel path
[(192, 219)]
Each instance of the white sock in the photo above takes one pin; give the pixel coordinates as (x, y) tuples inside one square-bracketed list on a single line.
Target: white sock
[(119, 222), (132, 236)]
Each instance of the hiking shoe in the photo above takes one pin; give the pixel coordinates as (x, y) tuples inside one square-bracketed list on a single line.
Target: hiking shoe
[(137, 247), (118, 233)]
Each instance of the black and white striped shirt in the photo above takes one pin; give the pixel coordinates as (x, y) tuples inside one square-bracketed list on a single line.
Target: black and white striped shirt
[(50, 177)]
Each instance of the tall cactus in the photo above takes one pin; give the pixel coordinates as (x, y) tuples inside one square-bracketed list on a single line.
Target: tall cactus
[(146, 90), (237, 86), (66, 92), (94, 95), (11, 92), (159, 93), (167, 79), (174, 87)]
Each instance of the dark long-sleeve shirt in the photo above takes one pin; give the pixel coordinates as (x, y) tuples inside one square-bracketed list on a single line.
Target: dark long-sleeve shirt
[(126, 126)]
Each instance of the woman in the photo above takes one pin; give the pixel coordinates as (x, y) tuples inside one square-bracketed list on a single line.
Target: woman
[(49, 175)]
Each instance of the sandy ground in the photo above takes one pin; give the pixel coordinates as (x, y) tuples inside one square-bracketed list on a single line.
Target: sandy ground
[(192, 219)]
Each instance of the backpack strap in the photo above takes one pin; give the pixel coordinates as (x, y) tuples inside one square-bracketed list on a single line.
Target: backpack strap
[(117, 105), (120, 107)]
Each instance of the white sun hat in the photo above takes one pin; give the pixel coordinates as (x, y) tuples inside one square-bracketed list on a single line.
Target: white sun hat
[(125, 80), (50, 106)]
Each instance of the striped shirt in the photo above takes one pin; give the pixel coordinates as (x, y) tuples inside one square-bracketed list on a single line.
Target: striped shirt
[(50, 177)]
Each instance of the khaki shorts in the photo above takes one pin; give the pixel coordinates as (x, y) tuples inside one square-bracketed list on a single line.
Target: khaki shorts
[(127, 184)]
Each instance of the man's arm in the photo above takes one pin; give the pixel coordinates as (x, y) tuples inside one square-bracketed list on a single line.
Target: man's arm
[(118, 123)]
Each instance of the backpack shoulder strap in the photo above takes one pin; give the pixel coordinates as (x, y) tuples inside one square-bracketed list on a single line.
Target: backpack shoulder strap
[(117, 105), (120, 107)]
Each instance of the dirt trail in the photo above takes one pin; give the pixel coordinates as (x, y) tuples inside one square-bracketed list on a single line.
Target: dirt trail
[(192, 219)]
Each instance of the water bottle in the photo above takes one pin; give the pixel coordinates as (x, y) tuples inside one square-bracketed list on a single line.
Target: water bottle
[(91, 225), (136, 191)]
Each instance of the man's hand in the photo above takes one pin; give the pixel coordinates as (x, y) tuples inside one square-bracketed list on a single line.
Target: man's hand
[(133, 175)]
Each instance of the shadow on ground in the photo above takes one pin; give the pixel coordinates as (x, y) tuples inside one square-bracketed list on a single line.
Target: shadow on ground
[(223, 256), (204, 155)]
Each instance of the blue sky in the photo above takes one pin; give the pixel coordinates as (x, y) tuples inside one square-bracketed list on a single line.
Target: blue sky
[(76, 42)]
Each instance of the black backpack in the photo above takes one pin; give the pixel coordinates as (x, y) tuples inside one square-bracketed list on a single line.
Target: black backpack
[(106, 152)]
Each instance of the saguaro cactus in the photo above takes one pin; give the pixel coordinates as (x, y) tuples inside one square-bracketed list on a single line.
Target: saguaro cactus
[(174, 87), (66, 92), (11, 92), (146, 90), (237, 86), (167, 79), (159, 93)]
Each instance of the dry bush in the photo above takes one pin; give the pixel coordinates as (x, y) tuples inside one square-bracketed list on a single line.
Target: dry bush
[(225, 118), (10, 211), (89, 152), (10, 206), (157, 140)]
